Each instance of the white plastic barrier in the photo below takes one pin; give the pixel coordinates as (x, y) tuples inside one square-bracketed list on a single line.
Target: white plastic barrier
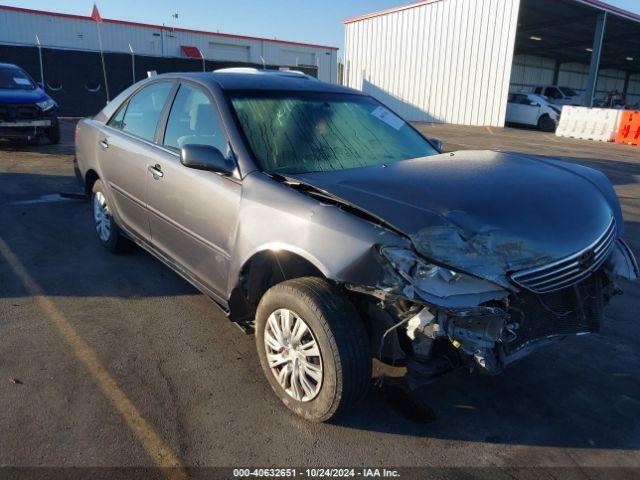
[(599, 124)]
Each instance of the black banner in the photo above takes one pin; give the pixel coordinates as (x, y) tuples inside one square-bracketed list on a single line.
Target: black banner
[(74, 78)]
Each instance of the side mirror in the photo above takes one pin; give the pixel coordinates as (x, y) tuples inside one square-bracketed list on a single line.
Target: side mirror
[(205, 157), (436, 142)]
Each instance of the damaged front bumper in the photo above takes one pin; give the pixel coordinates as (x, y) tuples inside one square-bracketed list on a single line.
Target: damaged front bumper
[(439, 319)]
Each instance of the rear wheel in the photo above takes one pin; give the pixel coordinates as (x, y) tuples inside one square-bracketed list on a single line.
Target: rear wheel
[(546, 124), (107, 230), (313, 348)]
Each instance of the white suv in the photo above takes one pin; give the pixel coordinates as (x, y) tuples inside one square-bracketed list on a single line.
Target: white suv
[(559, 95)]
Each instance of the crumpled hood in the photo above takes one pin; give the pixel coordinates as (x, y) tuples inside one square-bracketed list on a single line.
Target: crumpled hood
[(486, 213), (21, 97)]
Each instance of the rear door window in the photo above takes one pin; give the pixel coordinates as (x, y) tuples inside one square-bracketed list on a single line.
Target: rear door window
[(141, 115), (117, 121)]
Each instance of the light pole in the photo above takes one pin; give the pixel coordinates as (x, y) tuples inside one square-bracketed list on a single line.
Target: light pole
[(40, 59), (204, 68), (133, 64)]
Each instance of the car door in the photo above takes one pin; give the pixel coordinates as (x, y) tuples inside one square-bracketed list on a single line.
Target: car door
[(193, 213), (520, 110), (512, 109), (125, 149), (531, 110)]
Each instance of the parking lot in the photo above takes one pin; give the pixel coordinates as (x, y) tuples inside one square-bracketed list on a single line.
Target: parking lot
[(116, 361)]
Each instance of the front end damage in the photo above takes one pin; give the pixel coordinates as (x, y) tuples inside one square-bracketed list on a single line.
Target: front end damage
[(426, 320)]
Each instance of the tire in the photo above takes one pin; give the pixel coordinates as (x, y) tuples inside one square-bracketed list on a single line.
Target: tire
[(342, 341), (107, 230), (53, 133), (546, 124)]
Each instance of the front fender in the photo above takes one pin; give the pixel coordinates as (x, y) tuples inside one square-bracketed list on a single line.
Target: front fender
[(274, 216)]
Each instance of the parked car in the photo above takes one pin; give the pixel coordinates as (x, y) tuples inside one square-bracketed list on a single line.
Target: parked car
[(532, 110), (26, 111), (314, 215), (560, 95)]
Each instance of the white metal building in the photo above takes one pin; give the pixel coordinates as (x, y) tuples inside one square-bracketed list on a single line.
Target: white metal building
[(19, 26), (455, 61)]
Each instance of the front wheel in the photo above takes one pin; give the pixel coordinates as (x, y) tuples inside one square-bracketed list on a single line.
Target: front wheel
[(313, 348), (546, 124)]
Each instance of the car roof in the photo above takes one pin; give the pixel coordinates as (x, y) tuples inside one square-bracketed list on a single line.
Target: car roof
[(8, 65), (254, 79)]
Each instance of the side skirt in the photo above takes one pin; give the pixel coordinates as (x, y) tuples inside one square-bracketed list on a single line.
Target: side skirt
[(217, 299)]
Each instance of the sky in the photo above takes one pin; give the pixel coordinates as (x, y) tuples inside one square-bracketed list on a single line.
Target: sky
[(311, 21)]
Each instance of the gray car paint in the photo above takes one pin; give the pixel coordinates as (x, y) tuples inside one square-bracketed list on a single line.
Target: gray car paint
[(227, 220), (211, 225), (485, 213)]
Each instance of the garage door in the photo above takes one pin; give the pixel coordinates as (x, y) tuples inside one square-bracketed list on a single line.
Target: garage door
[(228, 51)]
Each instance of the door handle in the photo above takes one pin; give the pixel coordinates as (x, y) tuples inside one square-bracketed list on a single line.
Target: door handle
[(104, 144), (156, 171)]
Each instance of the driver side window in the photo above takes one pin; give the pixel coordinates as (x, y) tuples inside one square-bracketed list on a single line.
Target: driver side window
[(193, 120)]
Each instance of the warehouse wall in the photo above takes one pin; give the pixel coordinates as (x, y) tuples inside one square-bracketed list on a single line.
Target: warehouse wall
[(443, 61), (531, 70), (80, 33)]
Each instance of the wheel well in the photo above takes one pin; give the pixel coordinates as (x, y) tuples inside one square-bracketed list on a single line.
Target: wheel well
[(89, 179), (260, 273), (543, 117)]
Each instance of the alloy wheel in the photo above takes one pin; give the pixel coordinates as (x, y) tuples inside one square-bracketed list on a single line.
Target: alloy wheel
[(293, 355), (102, 216)]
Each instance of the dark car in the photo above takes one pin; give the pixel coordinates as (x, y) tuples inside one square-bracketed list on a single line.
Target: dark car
[(316, 216), (26, 111)]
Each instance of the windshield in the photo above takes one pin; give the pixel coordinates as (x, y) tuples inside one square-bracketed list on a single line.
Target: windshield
[(568, 92), (292, 132), (14, 78)]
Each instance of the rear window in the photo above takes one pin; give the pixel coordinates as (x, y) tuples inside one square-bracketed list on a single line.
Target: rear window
[(14, 78)]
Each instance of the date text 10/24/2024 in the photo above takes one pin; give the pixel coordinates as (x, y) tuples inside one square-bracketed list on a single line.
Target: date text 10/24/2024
[(316, 473)]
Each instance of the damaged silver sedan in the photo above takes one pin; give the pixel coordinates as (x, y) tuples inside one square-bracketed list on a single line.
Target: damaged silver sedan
[(320, 220)]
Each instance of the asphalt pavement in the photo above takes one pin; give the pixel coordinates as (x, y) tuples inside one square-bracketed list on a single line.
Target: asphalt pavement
[(115, 361)]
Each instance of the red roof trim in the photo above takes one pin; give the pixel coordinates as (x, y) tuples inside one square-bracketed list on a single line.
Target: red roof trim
[(594, 3), (161, 27)]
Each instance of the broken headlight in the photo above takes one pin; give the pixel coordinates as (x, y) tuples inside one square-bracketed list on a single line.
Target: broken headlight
[(439, 285)]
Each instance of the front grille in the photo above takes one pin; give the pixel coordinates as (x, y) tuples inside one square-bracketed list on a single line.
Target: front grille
[(571, 270), (19, 112), (570, 311)]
